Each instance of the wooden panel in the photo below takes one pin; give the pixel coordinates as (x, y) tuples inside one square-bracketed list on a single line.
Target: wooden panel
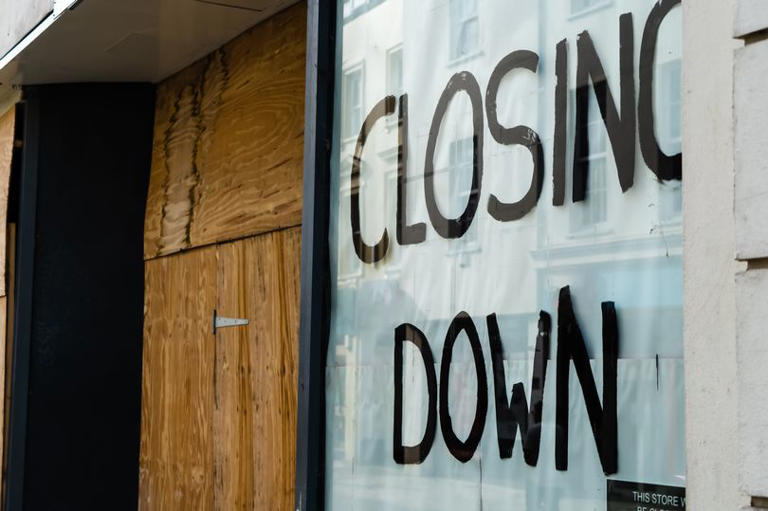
[(227, 153), (3, 337), (7, 253), (255, 423), (7, 130), (6, 342), (177, 385), (8, 345), (7, 241)]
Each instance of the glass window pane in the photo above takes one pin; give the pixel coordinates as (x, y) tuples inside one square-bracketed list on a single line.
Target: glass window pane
[(578, 6), (464, 28), (353, 93), (419, 283), (395, 72)]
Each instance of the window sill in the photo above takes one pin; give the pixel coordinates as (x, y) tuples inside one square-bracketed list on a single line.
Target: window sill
[(471, 248), (601, 229), (464, 58), (349, 280), (590, 10), (349, 141), (389, 153), (393, 272), (669, 223)]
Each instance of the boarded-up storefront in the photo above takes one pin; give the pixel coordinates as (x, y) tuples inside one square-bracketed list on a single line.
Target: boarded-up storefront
[(222, 240)]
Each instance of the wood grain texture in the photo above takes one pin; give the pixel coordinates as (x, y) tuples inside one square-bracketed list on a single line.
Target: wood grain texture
[(227, 153), (3, 354), (219, 413), (177, 385), (255, 417), (8, 345), (7, 259), (7, 131)]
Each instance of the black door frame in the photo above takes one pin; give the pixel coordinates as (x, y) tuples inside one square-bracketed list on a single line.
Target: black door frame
[(22, 323), (315, 265)]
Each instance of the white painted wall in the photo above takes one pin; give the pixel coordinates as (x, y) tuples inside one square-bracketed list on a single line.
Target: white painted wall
[(18, 17), (710, 267)]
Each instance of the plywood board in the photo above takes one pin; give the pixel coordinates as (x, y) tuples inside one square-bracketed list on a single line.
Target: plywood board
[(3, 354), (6, 334), (227, 153), (7, 240), (255, 423), (7, 131), (177, 391)]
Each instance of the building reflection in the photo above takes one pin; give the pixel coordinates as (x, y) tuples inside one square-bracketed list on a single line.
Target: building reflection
[(614, 246)]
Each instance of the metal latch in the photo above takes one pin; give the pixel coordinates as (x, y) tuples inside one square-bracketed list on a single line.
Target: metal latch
[(222, 322)]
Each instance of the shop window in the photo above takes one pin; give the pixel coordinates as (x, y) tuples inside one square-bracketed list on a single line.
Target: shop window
[(465, 28), (584, 6), (352, 90), (591, 213), (382, 384)]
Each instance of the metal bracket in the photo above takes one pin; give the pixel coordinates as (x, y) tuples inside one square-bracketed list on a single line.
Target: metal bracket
[(222, 322)]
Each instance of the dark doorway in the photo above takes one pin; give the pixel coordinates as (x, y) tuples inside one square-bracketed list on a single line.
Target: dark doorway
[(78, 200)]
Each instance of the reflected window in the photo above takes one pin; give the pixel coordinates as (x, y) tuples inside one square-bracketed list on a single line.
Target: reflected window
[(349, 265), (350, 6), (593, 211), (670, 82), (394, 79), (343, 410), (352, 106), (460, 172), (670, 113), (670, 202), (465, 29), (354, 8), (582, 6), (395, 71), (394, 253)]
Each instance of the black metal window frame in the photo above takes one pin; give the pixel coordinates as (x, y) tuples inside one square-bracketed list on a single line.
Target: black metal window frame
[(315, 265)]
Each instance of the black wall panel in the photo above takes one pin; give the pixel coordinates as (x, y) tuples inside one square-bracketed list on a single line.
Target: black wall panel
[(85, 170)]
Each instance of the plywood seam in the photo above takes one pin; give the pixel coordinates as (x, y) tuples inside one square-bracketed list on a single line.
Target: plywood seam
[(223, 242)]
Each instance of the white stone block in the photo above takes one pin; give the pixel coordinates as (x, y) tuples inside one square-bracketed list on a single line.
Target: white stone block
[(751, 150), (752, 387), (751, 16)]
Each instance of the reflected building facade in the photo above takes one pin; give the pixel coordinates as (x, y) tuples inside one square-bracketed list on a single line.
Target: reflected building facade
[(623, 247)]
